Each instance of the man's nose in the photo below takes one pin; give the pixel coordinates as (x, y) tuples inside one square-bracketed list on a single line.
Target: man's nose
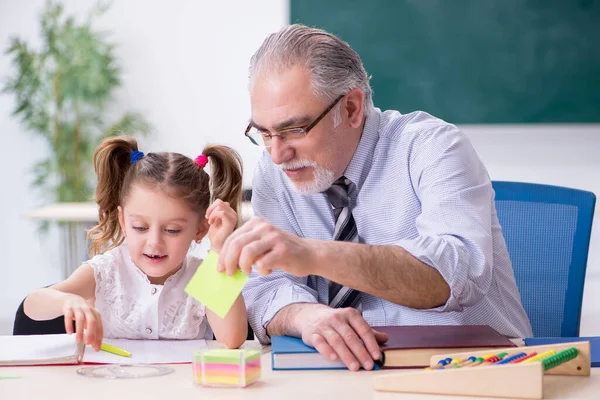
[(280, 152)]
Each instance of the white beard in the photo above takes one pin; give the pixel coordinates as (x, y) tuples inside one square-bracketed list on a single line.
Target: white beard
[(322, 180)]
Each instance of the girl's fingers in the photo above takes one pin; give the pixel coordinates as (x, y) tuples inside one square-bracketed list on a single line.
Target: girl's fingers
[(215, 215), (90, 327), (68, 317), (222, 212), (79, 325), (99, 332), (218, 205), (212, 207)]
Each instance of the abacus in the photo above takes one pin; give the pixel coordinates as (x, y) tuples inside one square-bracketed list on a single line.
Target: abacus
[(515, 372)]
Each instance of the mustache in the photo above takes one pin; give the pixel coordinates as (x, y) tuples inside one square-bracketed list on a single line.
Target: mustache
[(297, 164)]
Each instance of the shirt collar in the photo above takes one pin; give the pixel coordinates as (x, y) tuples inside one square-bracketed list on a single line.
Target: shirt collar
[(361, 161)]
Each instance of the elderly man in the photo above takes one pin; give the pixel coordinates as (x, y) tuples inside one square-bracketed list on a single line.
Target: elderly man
[(364, 217)]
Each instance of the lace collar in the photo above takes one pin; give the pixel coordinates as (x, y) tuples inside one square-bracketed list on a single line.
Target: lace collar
[(142, 275)]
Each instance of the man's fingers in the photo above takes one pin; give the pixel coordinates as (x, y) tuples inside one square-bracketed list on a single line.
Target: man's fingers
[(338, 345), (354, 343), (274, 254), (232, 257), (257, 252), (380, 337), (234, 235), (320, 344), (365, 332), (231, 247)]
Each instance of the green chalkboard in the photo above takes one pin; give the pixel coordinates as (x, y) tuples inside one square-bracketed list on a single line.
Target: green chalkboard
[(473, 61)]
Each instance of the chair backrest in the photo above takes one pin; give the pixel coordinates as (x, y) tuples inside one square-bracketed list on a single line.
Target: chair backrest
[(547, 231), (24, 325)]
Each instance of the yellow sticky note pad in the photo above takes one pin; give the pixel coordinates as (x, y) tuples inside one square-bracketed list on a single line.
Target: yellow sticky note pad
[(215, 290)]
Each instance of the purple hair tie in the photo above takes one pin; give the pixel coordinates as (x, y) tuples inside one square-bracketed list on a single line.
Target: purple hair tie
[(201, 160), (135, 156)]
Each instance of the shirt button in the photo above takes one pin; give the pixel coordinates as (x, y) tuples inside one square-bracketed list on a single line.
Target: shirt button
[(148, 331), (153, 290)]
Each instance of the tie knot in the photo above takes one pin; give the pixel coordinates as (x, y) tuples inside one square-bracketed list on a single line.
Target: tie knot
[(338, 193)]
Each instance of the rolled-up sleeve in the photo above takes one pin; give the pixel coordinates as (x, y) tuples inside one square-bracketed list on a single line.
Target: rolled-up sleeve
[(265, 296), (455, 227)]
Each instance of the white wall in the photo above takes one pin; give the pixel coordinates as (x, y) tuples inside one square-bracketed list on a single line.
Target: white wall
[(186, 69)]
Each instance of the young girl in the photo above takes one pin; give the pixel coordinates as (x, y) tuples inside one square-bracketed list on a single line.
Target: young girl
[(151, 207)]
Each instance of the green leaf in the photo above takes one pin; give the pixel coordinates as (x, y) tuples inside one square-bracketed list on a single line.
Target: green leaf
[(61, 92)]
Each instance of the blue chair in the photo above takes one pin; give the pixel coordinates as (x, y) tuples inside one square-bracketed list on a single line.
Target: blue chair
[(547, 231)]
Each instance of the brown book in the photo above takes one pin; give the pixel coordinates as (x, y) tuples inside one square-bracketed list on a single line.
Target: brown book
[(407, 346), (413, 346)]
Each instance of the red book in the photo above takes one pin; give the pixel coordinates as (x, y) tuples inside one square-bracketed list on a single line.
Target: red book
[(413, 346)]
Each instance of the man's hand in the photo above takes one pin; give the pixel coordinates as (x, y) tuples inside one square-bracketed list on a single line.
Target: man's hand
[(340, 333), (260, 243)]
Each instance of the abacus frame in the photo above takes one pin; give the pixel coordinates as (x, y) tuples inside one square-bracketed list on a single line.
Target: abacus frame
[(524, 381)]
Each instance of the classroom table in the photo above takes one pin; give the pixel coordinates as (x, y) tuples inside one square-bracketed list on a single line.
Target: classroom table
[(62, 382)]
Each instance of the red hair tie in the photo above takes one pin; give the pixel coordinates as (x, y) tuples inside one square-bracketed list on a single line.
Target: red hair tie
[(201, 160)]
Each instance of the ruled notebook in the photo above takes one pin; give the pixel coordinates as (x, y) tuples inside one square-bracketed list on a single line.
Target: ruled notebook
[(40, 350), (407, 346), (63, 349)]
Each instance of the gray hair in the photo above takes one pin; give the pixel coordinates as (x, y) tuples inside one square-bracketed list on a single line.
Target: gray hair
[(334, 67)]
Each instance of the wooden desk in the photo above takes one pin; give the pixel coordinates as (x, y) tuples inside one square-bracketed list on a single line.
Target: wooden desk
[(64, 383)]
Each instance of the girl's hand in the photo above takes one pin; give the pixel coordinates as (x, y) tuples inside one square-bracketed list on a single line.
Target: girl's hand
[(222, 220), (88, 322)]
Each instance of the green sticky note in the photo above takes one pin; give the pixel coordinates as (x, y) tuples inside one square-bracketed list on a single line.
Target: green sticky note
[(228, 356), (217, 291)]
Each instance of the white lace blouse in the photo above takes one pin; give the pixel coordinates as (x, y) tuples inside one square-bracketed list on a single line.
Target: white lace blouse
[(133, 308)]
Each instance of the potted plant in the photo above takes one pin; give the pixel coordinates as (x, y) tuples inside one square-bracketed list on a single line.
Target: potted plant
[(63, 90)]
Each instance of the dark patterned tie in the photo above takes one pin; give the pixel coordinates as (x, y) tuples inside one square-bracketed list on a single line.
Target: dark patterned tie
[(345, 230)]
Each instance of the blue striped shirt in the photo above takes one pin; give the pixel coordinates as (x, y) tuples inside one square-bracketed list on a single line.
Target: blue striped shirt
[(418, 184)]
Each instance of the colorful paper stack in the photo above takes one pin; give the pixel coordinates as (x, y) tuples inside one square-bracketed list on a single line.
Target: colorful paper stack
[(226, 368)]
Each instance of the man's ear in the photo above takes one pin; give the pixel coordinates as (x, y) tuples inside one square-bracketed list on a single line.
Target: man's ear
[(122, 220), (202, 230), (355, 107)]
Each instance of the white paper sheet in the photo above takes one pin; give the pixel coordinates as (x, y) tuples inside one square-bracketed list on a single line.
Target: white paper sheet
[(146, 351), (38, 349)]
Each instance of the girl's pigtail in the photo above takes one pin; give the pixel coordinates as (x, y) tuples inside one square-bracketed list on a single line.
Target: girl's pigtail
[(112, 159), (226, 174)]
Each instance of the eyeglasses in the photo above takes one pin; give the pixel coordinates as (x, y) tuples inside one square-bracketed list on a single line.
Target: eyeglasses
[(264, 138)]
